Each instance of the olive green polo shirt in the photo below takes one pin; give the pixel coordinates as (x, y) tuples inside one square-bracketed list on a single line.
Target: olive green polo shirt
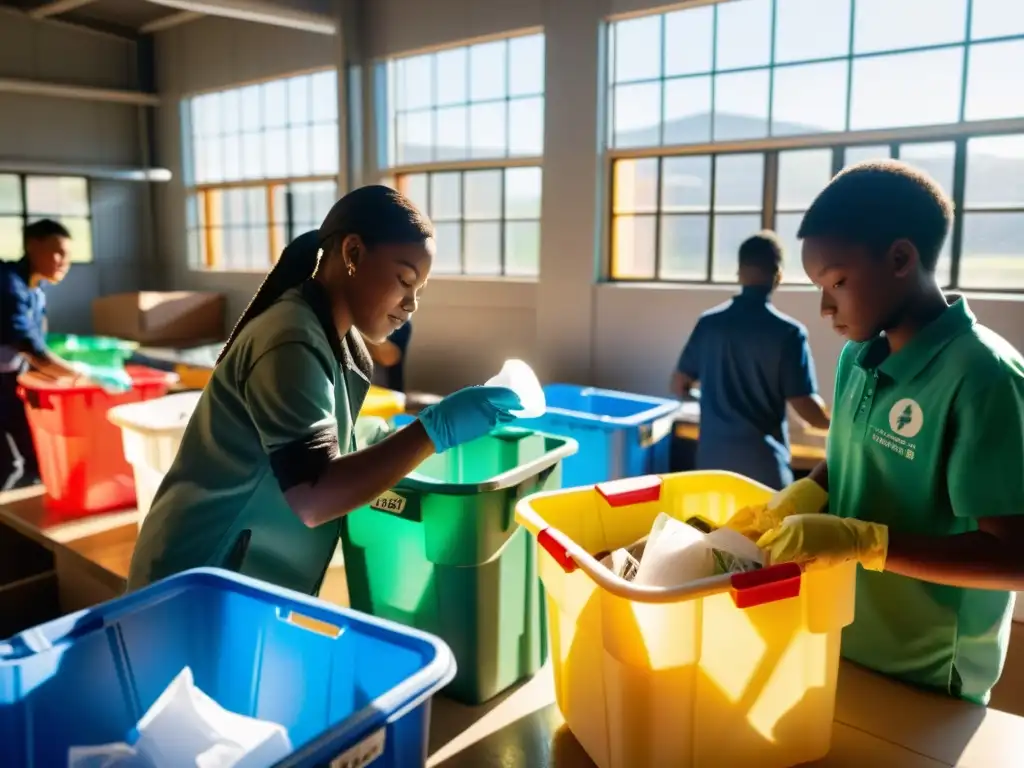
[(927, 441), (278, 408)]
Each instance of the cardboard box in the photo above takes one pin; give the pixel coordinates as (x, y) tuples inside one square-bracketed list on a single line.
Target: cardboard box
[(168, 318)]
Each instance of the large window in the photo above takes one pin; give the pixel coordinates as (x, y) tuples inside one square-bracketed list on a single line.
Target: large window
[(465, 141), (697, 93), (264, 168), (24, 199)]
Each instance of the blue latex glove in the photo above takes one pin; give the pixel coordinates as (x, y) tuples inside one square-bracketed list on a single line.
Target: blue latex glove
[(468, 414)]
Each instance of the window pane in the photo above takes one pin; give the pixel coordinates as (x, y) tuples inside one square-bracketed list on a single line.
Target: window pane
[(256, 205), (10, 194), (202, 165), (996, 18), (452, 133), (633, 246), (802, 175), (487, 73), (522, 248), (482, 193), (324, 148), (11, 246), (522, 193), (934, 158), (275, 104), (526, 65), (993, 178), (483, 248), (993, 251), (687, 110), (684, 248), (452, 76), (214, 159), (57, 195), (209, 114), (638, 49), (275, 153), (487, 127), (637, 115), (786, 227), (811, 29), (688, 41), (739, 182), (415, 137), (252, 155), (906, 89), (810, 98), (741, 105), (259, 247), (299, 161), (892, 25), (81, 239), (324, 88), (193, 247), (448, 236), (744, 34), (730, 232), (445, 196), (854, 155), (231, 155), (232, 112), (233, 210), (686, 184), (526, 127), (414, 186), (251, 108), (636, 186), (993, 91), (415, 82)]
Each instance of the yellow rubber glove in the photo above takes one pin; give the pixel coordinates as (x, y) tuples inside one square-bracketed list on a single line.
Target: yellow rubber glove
[(821, 541), (804, 497)]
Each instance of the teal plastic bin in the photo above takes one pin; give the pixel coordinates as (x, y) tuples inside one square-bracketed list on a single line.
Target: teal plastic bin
[(442, 552), (99, 351)]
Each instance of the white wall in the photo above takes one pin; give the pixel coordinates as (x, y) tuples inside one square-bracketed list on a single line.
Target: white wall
[(571, 328), (78, 132)]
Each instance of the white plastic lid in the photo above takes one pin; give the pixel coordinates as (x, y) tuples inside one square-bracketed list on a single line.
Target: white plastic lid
[(520, 378)]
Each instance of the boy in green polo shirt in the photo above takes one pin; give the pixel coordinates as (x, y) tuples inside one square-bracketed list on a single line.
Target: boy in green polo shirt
[(924, 478)]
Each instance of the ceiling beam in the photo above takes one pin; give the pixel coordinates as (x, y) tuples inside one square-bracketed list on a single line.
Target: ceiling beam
[(173, 20), (14, 165), (84, 93), (258, 11), (56, 7)]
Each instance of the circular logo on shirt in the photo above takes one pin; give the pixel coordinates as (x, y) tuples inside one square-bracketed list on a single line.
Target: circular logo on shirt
[(906, 418)]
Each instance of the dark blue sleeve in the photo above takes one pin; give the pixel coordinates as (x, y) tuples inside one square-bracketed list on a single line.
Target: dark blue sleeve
[(18, 327), (689, 360), (798, 367), (400, 337)]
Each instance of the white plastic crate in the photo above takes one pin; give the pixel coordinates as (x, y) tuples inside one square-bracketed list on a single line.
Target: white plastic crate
[(151, 432)]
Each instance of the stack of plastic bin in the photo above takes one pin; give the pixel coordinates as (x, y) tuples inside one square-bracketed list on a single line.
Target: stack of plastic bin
[(76, 444), (351, 690), (619, 434), (151, 433), (441, 552), (732, 670)]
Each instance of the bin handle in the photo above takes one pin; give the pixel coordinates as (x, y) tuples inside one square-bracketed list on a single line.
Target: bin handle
[(748, 589), (653, 432)]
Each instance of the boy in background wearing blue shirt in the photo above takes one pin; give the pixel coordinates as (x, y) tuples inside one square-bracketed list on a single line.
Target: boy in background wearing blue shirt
[(750, 360)]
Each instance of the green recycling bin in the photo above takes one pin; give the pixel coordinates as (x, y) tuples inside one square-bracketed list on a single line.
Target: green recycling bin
[(99, 351), (442, 552)]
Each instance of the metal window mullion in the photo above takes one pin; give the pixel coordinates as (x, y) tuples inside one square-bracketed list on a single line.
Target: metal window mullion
[(849, 64), (962, 111), (711, 220), (660, 180), (462, 223), (959, 185), (501, 227), (770, 190)]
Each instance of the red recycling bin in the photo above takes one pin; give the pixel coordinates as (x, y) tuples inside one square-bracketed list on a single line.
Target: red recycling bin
[(79, 450)]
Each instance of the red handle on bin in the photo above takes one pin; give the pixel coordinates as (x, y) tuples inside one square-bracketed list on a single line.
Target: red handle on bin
[(766, 585), (554, 548), (630, 490)]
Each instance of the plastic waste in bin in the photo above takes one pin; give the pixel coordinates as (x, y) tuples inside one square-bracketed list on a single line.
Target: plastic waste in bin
[(99, 351)]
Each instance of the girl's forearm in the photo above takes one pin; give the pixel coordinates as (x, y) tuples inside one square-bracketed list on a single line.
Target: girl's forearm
[(972, 560)]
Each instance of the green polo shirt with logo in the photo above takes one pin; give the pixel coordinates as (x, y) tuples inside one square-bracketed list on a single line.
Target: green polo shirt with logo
[(279, 407), (927, 441)]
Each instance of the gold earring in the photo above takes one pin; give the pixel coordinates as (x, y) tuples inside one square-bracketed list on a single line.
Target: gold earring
[(351, 269)]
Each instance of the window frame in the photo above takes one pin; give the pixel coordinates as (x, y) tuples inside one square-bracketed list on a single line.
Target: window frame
[(27, 216)]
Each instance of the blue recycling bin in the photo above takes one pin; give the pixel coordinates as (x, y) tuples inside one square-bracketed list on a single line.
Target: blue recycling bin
[(348, 687), (620, 434)]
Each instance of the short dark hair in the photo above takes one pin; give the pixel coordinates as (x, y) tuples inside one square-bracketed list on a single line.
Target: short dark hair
[(762, 252), (878, 202), (44, 228)]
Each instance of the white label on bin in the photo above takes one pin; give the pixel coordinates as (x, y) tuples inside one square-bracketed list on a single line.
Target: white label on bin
[(389, 502), (363, 753)]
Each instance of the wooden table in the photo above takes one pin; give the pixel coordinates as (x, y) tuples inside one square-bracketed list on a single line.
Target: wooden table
[(878, 722)]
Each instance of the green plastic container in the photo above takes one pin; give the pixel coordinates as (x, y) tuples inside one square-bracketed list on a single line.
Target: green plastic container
[(441, 552), (100, 351)]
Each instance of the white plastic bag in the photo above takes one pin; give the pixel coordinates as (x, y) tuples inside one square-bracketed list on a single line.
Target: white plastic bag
[(117, 755), (676, 553), (520, 378)]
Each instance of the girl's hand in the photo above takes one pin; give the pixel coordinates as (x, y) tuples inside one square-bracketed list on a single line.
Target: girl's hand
[(468, 414)]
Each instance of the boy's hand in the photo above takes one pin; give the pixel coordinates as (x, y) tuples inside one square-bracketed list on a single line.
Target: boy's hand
[(804, 497), (821, 541)]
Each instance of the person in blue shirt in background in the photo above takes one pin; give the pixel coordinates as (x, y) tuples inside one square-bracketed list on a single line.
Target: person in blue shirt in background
[(389, 357), (750, 360), (23, 341)]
